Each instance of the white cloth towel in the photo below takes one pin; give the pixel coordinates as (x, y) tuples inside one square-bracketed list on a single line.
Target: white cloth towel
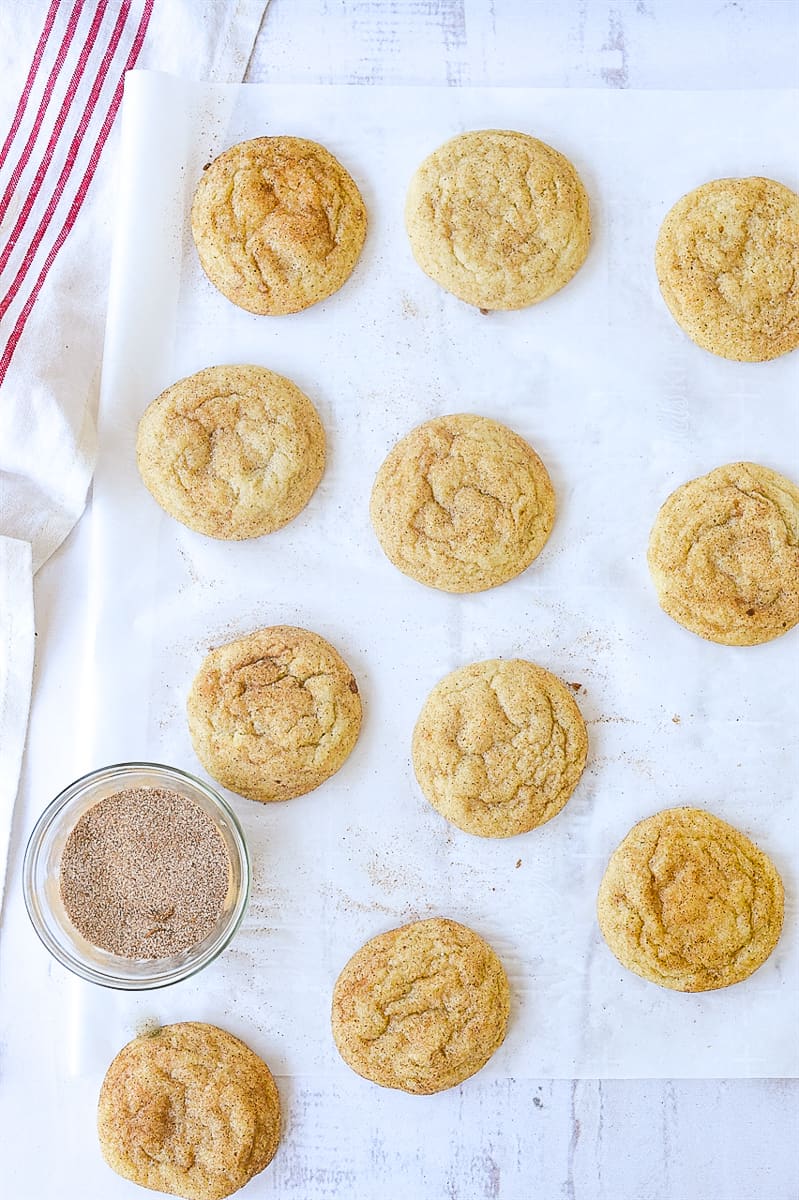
[(16, 667), (62, 66)]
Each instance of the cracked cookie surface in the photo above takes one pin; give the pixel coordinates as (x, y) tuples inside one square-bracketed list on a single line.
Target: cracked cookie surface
[(462, 503), (724, 555), (231, 452), (189, 1110), (498, 218), (499, 747), (727, 260), (689, 902), (274, 714), (421, 1008), (278, 224)]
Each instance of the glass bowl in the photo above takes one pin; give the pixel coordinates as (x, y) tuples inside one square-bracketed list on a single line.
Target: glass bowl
[(41, 884)]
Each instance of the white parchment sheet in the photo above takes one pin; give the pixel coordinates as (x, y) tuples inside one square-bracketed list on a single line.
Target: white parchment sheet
[(622, 408)]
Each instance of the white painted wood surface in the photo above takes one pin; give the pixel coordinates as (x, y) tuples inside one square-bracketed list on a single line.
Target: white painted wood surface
[(591, 1140), (531, 43)]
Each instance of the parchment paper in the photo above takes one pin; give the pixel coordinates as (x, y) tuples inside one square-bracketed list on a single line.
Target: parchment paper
[(621, 406)]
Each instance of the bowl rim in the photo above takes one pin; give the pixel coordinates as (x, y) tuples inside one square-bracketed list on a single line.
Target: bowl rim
[(33, 900)]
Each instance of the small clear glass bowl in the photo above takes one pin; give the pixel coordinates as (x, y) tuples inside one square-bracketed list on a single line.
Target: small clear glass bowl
[(41, 884)]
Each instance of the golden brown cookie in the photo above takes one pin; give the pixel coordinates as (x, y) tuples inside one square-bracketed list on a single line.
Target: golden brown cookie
[(188, 1110), (231, 452), (274, 714), (499, 747), (498, 218), (690, 903), (727, 259), (462, 503), (421, 1008), (724, 555), (278, 224)]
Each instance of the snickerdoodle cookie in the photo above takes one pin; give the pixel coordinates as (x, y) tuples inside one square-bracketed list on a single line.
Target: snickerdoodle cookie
[(727, 259), (189, 1110), (231, 452), (499, 747), (278, 224), (274, 714), (690, 903), (421, 1008), (462, 504), (724, 555), (498, 218)]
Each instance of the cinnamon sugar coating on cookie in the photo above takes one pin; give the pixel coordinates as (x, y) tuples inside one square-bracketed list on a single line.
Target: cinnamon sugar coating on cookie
[(499, 747), (231, 452), (278, 224), (727, 260), (274, 714), (689, 902), (498, 218), (422, 1007), (188, 1110), (724, 555), (462, 503)]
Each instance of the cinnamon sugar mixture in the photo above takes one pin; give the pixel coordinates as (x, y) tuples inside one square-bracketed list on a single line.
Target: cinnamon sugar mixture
[(144, 873)]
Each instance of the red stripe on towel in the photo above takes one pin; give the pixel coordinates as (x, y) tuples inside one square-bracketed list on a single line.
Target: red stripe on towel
[(58, 129), (38, 54), (16, 334)]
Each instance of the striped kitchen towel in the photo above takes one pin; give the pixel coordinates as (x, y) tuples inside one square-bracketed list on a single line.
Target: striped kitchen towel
[(62, 68)]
